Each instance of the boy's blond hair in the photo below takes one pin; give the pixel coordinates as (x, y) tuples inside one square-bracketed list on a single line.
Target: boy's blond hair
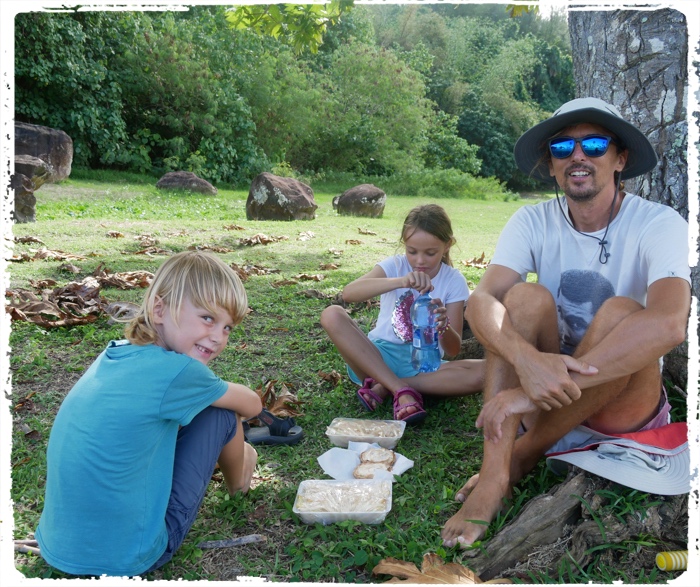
[(203, 279)]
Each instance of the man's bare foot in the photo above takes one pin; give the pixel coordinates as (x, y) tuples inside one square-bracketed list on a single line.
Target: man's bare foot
[(482, 502)]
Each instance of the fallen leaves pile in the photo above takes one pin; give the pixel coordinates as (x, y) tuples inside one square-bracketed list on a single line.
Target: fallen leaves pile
[(78, 302)]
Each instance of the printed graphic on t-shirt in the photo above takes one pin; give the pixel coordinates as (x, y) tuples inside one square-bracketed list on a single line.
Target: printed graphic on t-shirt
[(401, 317), (580, 295)]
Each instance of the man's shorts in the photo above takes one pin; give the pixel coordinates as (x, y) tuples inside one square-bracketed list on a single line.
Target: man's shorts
[(572, 440)]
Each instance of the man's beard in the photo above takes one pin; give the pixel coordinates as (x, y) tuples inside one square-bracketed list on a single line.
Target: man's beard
[(581, 194)]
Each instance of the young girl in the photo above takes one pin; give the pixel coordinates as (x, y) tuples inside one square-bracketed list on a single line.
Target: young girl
[(136, 440), (381, 361)]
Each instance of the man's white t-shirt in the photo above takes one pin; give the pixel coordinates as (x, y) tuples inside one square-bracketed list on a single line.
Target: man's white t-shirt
[(647, 241)]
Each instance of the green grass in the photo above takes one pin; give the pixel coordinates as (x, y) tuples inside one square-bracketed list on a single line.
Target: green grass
[(280, 340)]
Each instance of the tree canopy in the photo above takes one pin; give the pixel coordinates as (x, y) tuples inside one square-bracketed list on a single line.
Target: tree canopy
[(376, 90)]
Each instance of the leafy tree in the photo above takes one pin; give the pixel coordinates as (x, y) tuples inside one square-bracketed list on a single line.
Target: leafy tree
[(374, 115), (180, 112), (301, 26), (446, 150), (63, 79)]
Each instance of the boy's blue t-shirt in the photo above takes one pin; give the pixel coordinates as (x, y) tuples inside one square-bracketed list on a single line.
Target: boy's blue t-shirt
[(110, 458)]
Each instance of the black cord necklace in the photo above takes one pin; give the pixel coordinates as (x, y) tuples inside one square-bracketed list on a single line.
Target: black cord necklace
[(603, 257)]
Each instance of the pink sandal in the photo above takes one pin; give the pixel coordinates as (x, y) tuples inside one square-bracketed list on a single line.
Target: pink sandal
[(416, 417), (366, 390)]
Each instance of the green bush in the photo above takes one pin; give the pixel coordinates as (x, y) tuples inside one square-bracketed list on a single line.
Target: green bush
[(445, 183)]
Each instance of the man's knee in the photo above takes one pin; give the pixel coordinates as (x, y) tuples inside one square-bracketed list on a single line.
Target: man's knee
[(529, 301), (610, 313), (618, 307)]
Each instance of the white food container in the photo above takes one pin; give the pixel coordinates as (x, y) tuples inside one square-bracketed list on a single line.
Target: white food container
[(385, 433), (367, 501)]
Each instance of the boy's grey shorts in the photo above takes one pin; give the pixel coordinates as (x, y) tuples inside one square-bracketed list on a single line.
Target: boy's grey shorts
[(198, 447)]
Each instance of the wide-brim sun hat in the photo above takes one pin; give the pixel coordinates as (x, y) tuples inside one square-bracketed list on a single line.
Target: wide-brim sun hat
[(532, 145), (653, 461)]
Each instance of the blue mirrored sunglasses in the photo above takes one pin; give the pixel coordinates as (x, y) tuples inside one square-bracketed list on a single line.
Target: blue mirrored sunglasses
[(591, 145)]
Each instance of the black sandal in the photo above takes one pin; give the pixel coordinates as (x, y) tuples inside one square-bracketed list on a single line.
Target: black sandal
[(273, 431)]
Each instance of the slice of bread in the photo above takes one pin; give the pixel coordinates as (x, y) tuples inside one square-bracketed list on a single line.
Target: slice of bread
[(378, 455), (367, 470)]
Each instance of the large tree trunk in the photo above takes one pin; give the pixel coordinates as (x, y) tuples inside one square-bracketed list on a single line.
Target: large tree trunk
[(638, 61)]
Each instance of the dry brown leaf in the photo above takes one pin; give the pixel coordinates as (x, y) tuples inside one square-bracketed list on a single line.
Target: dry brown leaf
[(353, 241), (306, 235), (146, 240), (479, 262), (284, 282), (234, 227), (366, 231), (121, 311), (42, 283), (335, 252), (44, 253), (261, 239), (314, 293), (69, 268), (283, 404), (115, 234), (148, 251), (213, 248), (309, 277), (333, 377), (328, 266), (28, 239), (245, 271), (433, 571), (122, 280)]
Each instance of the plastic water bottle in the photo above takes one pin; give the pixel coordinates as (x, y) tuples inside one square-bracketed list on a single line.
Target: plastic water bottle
[(425, 356)]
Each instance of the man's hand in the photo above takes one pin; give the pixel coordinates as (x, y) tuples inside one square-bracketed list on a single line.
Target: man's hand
[(506, 403), (545, 378)]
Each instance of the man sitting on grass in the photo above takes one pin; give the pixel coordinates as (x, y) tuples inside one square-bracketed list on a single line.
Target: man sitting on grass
[(559, 357)]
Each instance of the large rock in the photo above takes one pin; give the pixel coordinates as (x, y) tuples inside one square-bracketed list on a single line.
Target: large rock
[(53, 146), (186, 180), (362, 200), (279, 198)]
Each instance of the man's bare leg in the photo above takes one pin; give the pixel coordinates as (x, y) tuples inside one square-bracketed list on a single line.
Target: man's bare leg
[(621, 405), (532, 312)]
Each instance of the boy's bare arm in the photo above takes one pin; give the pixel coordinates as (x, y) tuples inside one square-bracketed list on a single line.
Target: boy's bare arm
[(240, 399)]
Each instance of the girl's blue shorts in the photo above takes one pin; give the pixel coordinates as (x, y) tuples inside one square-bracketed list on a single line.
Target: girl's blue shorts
[(396, 356)]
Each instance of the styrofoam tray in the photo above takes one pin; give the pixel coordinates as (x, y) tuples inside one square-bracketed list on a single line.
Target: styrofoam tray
[(356, 497), (385, 433)]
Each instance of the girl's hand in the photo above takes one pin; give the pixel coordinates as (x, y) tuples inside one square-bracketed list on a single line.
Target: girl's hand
[(419, 281), (440, 312)]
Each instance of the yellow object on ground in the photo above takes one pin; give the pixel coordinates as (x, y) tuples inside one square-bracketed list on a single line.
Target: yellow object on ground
[(676, 560)]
